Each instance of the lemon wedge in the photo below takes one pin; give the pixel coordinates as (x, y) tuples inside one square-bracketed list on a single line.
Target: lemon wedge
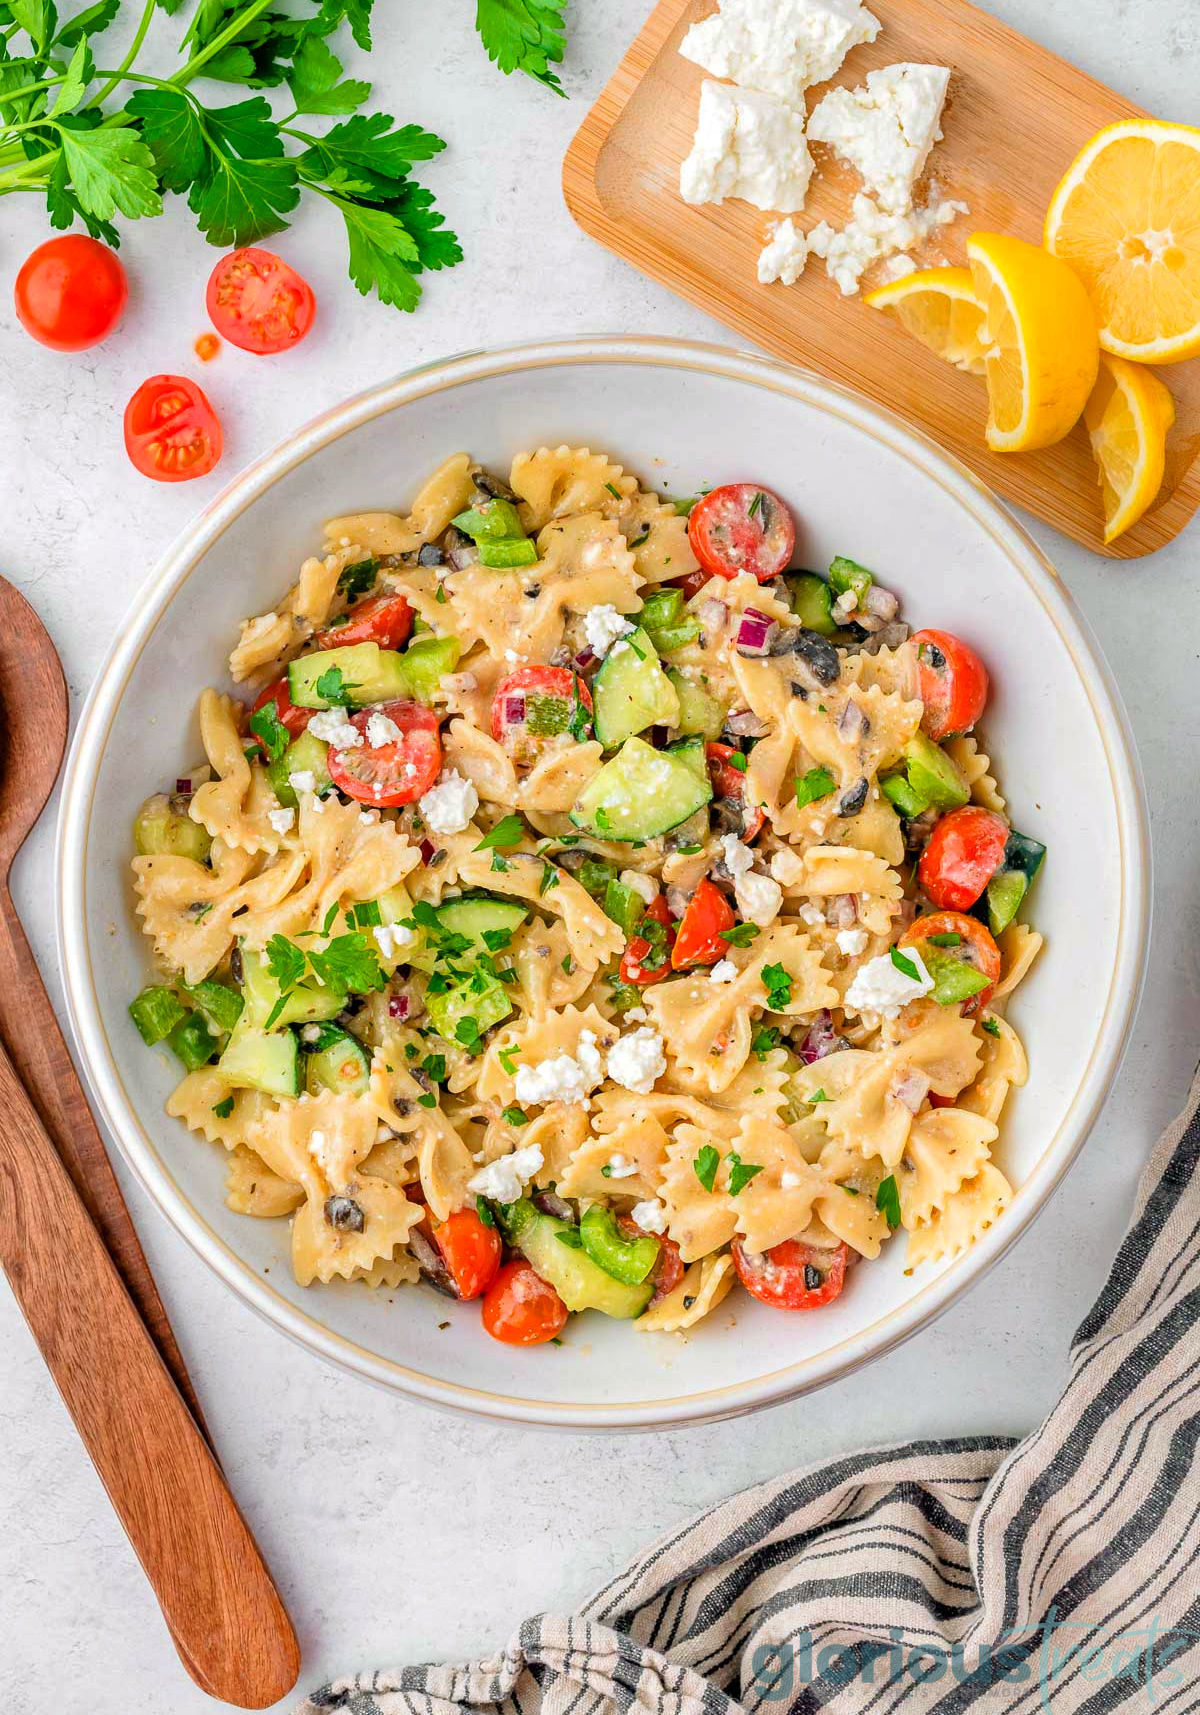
[(1127, 417), (1043, 354), (939, 306), (1126, 217)]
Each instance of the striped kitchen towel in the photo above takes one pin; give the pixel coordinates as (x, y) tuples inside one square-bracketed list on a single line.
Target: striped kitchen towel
[(984, 1574)]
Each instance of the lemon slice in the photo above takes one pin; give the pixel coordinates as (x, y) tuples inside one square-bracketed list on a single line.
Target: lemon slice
[(1126, 217), (1043, 354), (1127, 417), (939, 306)]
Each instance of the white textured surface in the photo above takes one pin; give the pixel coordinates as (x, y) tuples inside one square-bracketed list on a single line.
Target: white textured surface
[(337, 1480)]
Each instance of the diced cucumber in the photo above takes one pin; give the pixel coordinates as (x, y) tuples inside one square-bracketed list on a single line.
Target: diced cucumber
[(307, 1003), (812, 601), (1023, 853), (699, 712), (369, 674), (896, 789), (846, 574), (305, 755), (674, 637), (495, 520), (579, 1281), (476, 915), (156, 1012), (221, 1005), (163, 828), (642, 792), (931, 780), (631, 691), (267, 1060), (514, 551), (594, 876), (485, 1005), (630, 1260), (691, 752), (624, 905), (340, 1064), (425, 664), (1005, 891), (661, 609), (193, 1042)]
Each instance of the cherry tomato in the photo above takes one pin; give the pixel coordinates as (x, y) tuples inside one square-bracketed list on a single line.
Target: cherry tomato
[(952, 683), (470, 1251), (698, 939), (70, 292), (729, 787), (521, 1308), (536, 705), (742, 528), (962, 854), (171, 431), (976, 946), (396, 773), (383, 619), (668, 1271), (257, 302), (647, 957), (286, 712), (792, 1275)]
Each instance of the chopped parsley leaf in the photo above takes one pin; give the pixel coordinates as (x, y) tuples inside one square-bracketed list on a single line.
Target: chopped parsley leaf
[(816, 784), (705, 1166), (740, 1173), (333, 687), (515, 1116), (950, 939), (887, 1201), (740, 935), (778, 984), (991, 1026), (223, 1109), (270, 731), (509, 831), (357, 579), (904, 964)]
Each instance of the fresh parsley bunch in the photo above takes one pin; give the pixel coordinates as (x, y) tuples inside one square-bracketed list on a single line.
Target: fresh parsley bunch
[(98, 138), (524, 35)]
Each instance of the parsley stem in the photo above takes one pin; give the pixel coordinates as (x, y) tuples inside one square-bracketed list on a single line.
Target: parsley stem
[(135, 47), (219, 42)]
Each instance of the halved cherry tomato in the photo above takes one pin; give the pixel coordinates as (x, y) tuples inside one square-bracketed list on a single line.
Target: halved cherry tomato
[(171, 431), (668, 1270), (698, 939), (729, 786), (792, 1275), (975, 946), (470, 1251), (536, 705), (961, 856), (647, 957), (952, 683), (70, 292), (396, 773), (521, 1308), (286, 712), (383, 619), (257, 302), (742, 528)]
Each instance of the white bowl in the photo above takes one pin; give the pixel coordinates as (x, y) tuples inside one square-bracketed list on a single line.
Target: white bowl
[(860, 483)]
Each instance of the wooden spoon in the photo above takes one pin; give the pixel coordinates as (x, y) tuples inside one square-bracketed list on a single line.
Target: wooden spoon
[(224, 1613)]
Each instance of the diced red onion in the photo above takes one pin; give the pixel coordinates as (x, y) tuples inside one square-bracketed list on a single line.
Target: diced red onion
[(822, 1039), (891, 636), (755, 633), (868, 622), (851, 722), (882, 603), (398, 1006), (550, 1203), (746, 724), (911, 1089), (514, 711), (711, 613), (585, 657), (184, 787), (843, 910), (427, 850)]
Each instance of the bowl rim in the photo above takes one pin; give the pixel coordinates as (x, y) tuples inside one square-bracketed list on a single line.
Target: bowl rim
[(101, 709)]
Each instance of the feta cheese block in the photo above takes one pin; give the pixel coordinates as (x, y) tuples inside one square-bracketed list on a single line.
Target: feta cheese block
[(782, 47), (886, 128), (873, 233), (783, 258), (750, 146)]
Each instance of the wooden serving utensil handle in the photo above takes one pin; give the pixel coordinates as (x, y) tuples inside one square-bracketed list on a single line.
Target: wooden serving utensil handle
[(217, 1597), (30, 1031)]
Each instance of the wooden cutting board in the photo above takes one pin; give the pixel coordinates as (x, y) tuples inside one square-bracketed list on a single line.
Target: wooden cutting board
[(1016, 117)]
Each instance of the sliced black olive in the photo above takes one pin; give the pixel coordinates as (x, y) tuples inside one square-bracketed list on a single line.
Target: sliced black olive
[(799, 691), (812, 1277), (532, 591), (344, 1214), (237, 966), (431, 555), (931, 653), (490, 487), (817, 653), (852, 799)]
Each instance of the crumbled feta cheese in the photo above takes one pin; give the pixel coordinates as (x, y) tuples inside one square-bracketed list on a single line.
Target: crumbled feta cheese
[(724, 971), (758, 898), (620, 1167), (645, 885), (504, 1180), (897, 268), (449, 806), (310, 1033), (844, 606), (650, 1216), (783, 258), (881, 986), (336, 729), (637, 1061), (780, 46), (787, 866), (736, 857), (603, 626), (303, 780), (747, 145), (636, 1015), (281, 820), (885, 128), (381, 730), (565, 1078), (811, 914), (390, 937), (852, 941), (873, 233)]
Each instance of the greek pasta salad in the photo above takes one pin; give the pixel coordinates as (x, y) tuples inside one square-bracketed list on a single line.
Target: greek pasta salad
[(581, 909)]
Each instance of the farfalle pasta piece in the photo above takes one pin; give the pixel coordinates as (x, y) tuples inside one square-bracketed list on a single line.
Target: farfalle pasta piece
[(446, 493), (830, 871), (268, 642), (976, 768), (778, 1202), (848, 1210), (657, 537), (478, 758), (945, 1148), (1019, 947), (251, 1188), (403, 1269), (554, 783), (699, 1221), (529, 1041), (594, 938), (634, 1151), (973, 1208), (190, 910), (558, 482), (1004, 1066), (196, 1102), (234, 806), (548, 974), (700, 1291), (892, 670)]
